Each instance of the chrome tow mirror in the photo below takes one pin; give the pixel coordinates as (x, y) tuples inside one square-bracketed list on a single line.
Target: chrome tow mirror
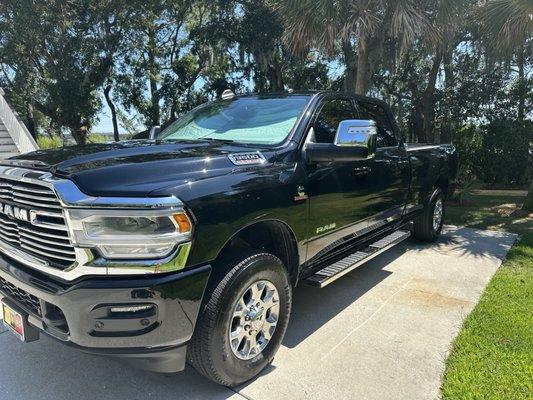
[(355, 140), (360, 133)]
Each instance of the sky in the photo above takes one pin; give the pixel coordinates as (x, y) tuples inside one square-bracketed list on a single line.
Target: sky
[(105, 125)]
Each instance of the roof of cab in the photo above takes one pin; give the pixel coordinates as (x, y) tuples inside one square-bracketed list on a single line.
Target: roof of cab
[(311, 93)]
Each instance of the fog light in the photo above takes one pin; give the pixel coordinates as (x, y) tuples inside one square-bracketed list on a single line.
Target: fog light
[(131, 309)]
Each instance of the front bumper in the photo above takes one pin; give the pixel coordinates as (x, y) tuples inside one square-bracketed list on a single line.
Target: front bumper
[(79, 314)]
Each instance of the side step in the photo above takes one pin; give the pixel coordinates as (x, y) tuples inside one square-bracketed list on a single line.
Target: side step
[(339, 268)]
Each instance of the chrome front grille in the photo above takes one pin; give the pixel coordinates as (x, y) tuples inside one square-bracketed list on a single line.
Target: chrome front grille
[(42, 231), (29, 194)]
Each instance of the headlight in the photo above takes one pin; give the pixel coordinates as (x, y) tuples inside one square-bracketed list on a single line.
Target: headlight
[(128, 234)]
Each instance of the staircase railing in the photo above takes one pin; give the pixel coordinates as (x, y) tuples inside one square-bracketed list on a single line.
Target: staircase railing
[(17, 130)]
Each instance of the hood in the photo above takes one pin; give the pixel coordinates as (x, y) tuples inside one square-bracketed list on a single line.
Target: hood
[(134, 168)]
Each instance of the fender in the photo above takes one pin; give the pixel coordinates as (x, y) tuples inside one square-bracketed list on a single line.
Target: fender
[(224, 207)]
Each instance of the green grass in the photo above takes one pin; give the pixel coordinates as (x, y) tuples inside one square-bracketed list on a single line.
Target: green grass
[(47, 142), (479, 212), (98, 138), (492, 358)]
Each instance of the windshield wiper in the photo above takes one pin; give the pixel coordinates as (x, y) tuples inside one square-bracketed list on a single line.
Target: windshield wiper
[(218, 139)]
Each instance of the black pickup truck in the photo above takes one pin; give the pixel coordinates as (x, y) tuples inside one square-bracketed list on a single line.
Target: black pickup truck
[(186, 247)]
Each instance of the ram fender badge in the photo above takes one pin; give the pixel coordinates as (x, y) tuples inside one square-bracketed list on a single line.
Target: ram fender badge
[(325, 228), (247, 158)]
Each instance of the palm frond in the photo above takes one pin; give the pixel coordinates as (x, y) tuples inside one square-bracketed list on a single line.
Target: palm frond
[(364, 18), (507, 24), (408, 22), (310, 23)]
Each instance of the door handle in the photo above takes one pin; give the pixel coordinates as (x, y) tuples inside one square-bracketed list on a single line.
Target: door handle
[(362, 170)]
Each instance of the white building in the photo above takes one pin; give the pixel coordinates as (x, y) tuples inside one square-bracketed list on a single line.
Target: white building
[(14, 136)]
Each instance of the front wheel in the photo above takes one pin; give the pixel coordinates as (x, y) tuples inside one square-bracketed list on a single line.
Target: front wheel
[(428, 226), (244, 319)]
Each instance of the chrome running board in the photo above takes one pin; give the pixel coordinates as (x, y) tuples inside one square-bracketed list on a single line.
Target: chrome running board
[(340, 268)]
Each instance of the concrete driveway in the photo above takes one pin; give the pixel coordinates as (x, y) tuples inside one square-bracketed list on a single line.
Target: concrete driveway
[(381, 332)]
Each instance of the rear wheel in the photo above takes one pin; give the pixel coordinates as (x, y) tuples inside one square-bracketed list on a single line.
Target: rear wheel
[(244, 319), (428, 225)]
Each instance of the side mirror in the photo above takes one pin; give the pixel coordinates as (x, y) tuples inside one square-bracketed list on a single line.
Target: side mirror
[(357, 133), (355, 140), (154, 132)]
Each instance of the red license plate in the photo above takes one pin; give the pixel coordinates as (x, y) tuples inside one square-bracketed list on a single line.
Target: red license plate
[(13, 320)]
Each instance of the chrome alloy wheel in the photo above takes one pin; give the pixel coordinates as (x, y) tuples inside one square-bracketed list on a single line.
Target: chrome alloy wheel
[(254, 321), (437, 214)]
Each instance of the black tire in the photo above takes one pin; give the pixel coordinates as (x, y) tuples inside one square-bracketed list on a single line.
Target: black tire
[(209, 351), (423, 226)]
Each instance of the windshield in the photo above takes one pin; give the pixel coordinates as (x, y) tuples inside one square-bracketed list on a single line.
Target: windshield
[(254, 120)]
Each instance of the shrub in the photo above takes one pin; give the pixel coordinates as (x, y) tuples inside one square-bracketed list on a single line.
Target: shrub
[(47, 142), (468, 141), (98, 138), (496, 153), (504, 153), (55, 141)]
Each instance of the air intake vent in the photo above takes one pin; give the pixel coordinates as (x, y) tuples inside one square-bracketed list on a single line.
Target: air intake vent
[(30, 302)]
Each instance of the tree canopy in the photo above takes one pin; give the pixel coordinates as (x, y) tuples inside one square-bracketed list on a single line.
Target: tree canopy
[(440, 63)]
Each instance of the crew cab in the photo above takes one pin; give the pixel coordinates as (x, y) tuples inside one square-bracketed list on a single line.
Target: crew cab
[(186, 247)]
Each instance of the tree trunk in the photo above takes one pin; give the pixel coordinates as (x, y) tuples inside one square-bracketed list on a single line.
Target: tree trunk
[(276, 79), (417, 128), (446, 128), (275, 76), (362, 66), (30, 120), (427, 105), (173, 113), (111, 106), (153, 72), (521, 84), (528, 203), (350, 61), (80, 134), (260, 70)]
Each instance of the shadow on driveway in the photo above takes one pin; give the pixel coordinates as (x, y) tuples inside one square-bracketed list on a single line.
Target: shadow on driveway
[(314, 307)]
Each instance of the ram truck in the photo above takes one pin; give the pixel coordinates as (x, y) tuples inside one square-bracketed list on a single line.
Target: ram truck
[(185, 247)]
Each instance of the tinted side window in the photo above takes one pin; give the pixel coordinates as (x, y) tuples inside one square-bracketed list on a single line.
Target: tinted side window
[(327, 122), (375, 112)]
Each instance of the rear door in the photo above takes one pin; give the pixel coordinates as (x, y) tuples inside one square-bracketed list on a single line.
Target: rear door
[(390, 170)]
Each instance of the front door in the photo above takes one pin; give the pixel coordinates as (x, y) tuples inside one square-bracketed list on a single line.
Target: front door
[(338, 191)]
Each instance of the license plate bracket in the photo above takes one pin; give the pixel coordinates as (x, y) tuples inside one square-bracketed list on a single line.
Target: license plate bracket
[(16, 320)]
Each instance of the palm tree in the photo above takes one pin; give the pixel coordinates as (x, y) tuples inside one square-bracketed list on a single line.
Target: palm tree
[(508, 27), (439, 37), (350, 27)]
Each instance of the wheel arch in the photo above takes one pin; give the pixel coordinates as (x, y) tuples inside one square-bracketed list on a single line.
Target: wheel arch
[(272, 236), (443, 183)]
